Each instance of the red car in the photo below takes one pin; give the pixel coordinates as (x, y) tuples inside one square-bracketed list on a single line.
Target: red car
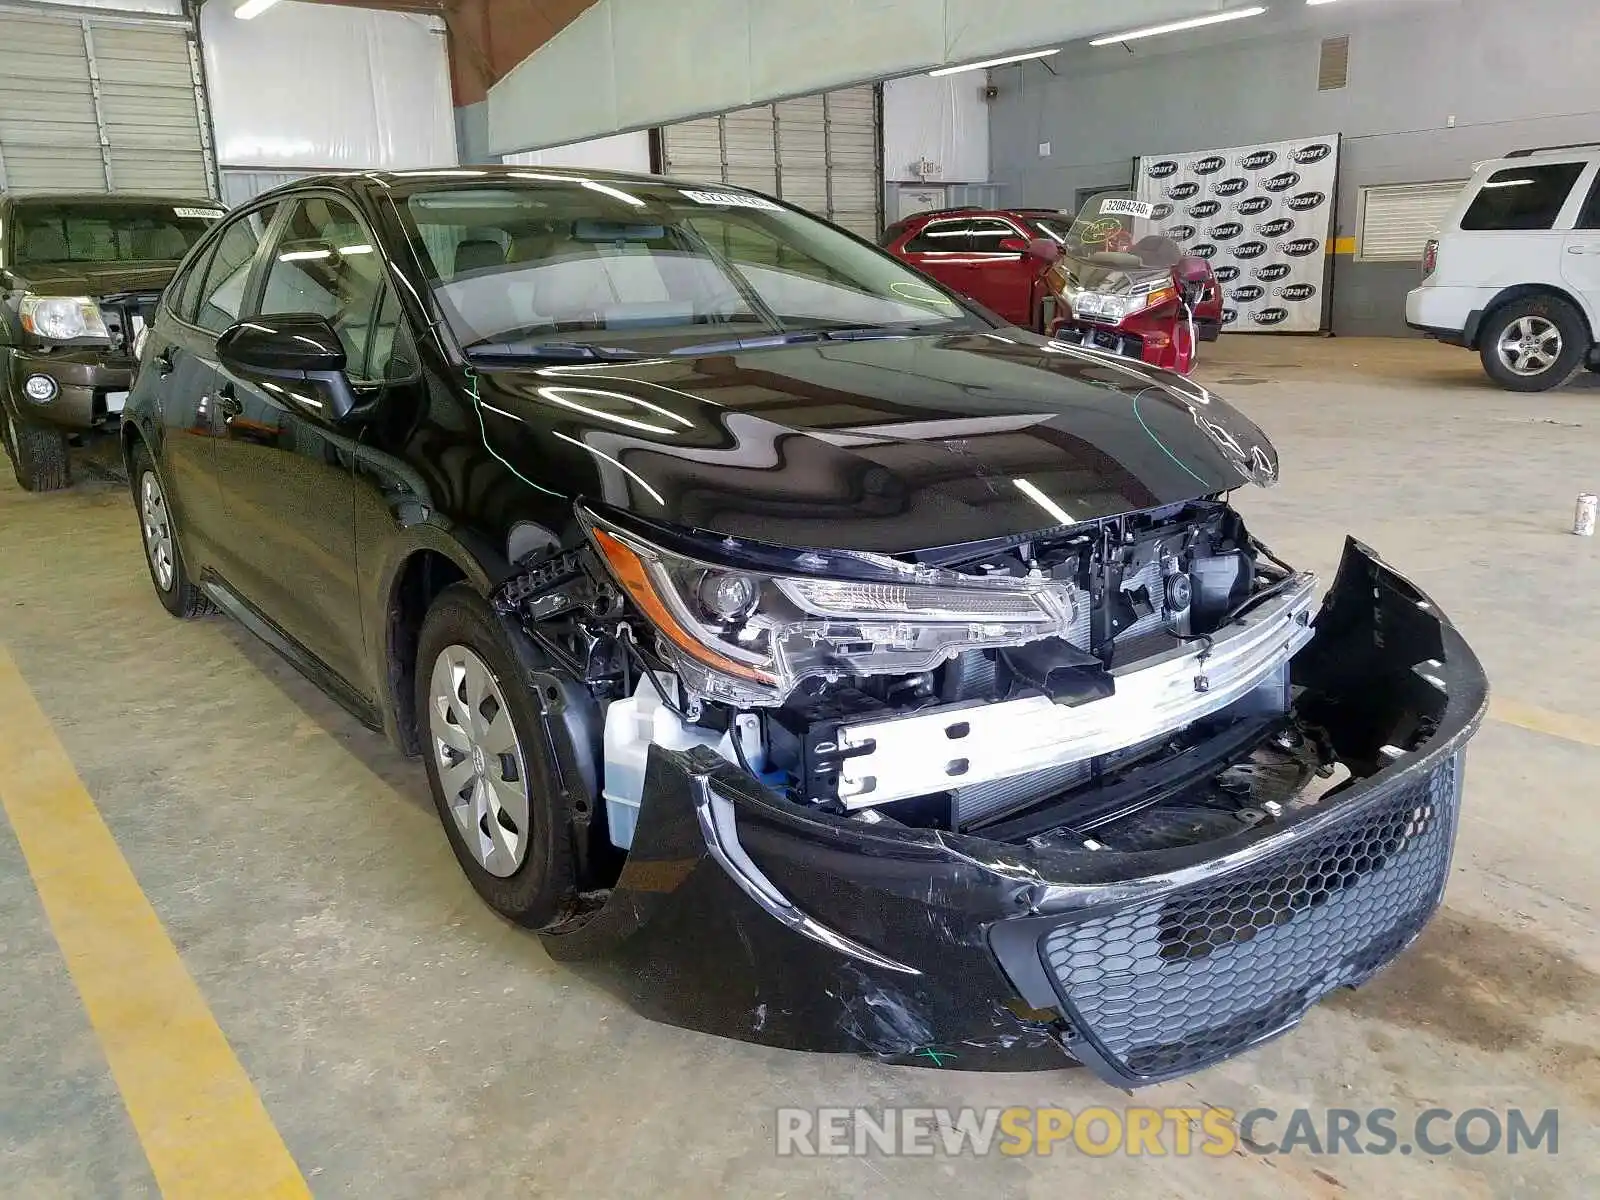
[(984, 254)]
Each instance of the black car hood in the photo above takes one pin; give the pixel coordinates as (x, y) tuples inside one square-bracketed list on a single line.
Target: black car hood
[(93, 279), (889, 445)]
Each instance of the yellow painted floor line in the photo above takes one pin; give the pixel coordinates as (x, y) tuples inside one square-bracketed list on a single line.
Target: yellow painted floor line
[(1543, 720), (204, 1129)]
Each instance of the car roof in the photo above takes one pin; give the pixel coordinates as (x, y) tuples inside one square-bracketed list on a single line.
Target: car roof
[(404, 182)]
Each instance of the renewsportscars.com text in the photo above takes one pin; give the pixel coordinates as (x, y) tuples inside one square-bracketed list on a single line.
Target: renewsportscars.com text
[(1135, 1130)]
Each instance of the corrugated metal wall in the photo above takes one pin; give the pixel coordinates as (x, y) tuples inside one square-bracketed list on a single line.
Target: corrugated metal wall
[(823, 153), (101, 104)]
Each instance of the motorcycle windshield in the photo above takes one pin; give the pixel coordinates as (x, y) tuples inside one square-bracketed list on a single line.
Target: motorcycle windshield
[(1115, 231)]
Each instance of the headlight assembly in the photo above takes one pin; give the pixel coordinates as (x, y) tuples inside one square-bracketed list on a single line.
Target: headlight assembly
[(62, 318), (748, 637)]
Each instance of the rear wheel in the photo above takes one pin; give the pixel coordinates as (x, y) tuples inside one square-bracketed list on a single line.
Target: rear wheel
[(1534, 344), (177, 593), (489, 764), (38, 454)]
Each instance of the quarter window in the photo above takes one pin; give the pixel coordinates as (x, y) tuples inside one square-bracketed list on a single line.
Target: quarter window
[(1590, 217), (323, 262), (938, 236), (1522, 197), (221, 297)]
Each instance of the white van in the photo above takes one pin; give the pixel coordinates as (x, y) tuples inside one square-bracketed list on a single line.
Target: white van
[(1515, 271)]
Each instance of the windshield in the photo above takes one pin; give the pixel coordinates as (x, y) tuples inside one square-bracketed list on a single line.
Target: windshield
[(1115, 229), (90, 231), (573, 262)]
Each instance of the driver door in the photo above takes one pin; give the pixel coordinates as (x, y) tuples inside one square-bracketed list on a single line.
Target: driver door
[(285, 469)]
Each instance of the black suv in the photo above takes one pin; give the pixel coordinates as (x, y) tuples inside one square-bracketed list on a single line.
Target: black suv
[(79, 279), (843, 669)]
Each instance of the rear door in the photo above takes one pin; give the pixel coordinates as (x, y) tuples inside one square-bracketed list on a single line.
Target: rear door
[(1002, 275), (1580, 258), (941, 248)]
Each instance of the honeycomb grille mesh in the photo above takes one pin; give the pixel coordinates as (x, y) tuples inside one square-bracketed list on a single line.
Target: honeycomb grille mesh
[(1167, 986)]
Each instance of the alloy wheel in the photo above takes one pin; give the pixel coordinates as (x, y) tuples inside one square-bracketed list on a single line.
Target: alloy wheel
[(480, 760), (157, 530), (1529, 346)]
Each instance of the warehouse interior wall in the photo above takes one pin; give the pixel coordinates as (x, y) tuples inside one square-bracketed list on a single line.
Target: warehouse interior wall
[(640, 63), (619, 152), (1434, 86), (304, 87)]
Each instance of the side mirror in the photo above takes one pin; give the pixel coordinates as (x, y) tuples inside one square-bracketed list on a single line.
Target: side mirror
[(1014, 245), (1045, 250), (297, 357)]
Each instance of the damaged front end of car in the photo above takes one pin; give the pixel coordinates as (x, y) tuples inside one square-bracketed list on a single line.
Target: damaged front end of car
[(1114, 788)]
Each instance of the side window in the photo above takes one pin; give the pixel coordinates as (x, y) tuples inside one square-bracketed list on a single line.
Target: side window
[(221, 296), (1589, 218), (1519, 197), (989, 232), (390, 355), (184, 292), (323, 263), (941, 235)]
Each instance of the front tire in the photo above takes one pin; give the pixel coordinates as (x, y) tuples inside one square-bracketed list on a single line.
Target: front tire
[(1534, 344), (488, 762), (39, 456), (176, 591)]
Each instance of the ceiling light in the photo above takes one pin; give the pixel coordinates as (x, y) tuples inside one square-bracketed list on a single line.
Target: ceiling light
[(1319, 1), (252, 8), (1174, 26), (995, 62)]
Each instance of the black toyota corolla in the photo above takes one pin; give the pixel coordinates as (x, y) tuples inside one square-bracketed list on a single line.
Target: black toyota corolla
[(838, 668)]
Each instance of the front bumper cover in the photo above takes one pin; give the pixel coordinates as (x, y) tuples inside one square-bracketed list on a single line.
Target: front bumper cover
[(84, 377), (741, 914)]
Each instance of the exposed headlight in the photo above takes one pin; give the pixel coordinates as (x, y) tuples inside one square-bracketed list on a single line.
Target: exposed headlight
[(1107, 307), (62, 318), (749, 638)]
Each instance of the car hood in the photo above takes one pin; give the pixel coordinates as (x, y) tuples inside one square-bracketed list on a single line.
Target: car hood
[(93, 279), (888, 445)]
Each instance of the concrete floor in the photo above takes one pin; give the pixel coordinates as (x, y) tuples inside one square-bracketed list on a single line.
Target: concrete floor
[(408, 1044)]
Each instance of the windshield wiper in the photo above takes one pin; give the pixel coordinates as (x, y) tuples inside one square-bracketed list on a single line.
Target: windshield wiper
[(554, 351), (795, 337), (758, 341), (863, 333)]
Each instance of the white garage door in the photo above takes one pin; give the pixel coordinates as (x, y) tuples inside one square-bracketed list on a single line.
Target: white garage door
[(101, 104), (822, 153)]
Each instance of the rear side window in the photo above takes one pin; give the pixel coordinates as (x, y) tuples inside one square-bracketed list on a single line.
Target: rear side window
[(941, 236), (1529, 197), (222, 294)]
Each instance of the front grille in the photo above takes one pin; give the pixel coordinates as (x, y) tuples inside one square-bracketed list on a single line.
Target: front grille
[(1169, 985), (1128, 345)]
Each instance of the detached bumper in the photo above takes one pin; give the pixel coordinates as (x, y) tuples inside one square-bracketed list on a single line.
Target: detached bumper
[(741, 914), (87, 385)]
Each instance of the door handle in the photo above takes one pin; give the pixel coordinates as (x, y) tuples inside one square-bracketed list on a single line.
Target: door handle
[(1577, 249), (164, 363), (228, 403)]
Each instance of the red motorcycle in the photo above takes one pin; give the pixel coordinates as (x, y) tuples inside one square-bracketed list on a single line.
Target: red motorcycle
[(1116, 283)]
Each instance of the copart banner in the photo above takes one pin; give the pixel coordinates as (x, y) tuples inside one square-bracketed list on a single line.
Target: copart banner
[(1262, 214)]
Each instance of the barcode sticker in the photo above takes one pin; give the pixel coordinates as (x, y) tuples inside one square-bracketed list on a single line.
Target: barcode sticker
[(202, 214), (733, 200)]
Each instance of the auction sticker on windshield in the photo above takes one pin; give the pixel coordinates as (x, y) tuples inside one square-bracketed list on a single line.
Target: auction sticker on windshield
[(1119, 207), (732, 200), (204, 214)]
